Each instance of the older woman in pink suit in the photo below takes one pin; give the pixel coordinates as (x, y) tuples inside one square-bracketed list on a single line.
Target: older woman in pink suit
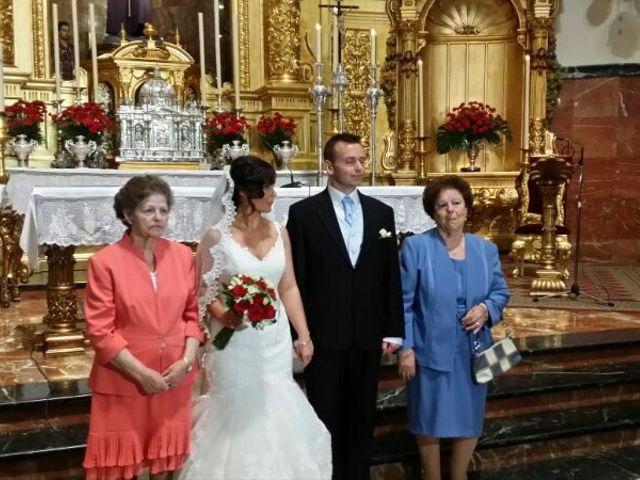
[(142, 320)]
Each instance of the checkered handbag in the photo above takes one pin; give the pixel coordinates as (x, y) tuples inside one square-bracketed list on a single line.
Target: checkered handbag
[(495, 360)]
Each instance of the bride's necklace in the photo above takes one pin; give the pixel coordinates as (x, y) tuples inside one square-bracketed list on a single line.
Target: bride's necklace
[(457, 251)]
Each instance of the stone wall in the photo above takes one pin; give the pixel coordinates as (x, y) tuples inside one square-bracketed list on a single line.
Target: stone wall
[(600, 107)]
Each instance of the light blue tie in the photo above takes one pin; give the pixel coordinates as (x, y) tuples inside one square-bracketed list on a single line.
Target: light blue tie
[(347, 205)]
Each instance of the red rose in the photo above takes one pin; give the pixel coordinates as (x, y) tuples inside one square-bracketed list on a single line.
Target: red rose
[(241, 307), (238, 291), (255, 313), (268, 312)]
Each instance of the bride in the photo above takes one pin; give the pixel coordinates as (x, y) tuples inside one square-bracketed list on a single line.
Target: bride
[(254, 422)]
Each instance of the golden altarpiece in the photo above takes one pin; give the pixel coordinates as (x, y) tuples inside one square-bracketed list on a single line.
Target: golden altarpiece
[(470, 50)]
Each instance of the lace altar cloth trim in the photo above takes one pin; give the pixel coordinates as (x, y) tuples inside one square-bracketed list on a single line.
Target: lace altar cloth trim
[(84, 215)]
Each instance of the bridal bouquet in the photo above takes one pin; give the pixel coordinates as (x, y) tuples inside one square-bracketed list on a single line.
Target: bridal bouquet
[(253, 299)]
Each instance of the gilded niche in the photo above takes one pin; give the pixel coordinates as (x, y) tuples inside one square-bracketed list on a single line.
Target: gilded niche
[(470, 17), (283, 38)]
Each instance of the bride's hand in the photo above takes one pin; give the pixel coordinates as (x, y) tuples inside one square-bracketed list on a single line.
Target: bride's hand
[(304, 351), (229, 318)]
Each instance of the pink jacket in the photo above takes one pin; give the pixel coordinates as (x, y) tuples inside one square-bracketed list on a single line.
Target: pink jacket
[(123, 310)]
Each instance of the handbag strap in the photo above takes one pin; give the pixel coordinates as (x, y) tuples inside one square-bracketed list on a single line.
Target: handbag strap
[(476, 347)]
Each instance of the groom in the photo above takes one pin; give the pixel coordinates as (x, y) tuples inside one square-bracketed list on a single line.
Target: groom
[(346, 264)]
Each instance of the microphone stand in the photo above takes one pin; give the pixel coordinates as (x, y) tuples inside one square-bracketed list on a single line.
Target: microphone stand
[(575, 291), (293, 183)]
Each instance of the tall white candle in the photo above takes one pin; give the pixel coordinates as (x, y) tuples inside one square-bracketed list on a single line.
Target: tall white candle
[(56, 51), (335, 40), (1, 77), (318, 43), (527, 93), (373, 46), (94, 52), (235, 42), (76, 41), (421, 132), (203, 94), (216, 33)]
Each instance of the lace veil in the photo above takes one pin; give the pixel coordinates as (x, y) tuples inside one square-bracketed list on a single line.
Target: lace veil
[(210, 257)]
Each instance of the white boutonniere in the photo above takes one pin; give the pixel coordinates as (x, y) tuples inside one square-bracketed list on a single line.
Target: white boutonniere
[(384, 233)]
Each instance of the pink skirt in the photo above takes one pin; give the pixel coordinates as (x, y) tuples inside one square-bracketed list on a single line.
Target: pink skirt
[(128, 434)]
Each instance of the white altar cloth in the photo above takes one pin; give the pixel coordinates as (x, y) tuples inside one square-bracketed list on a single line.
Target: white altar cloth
[(84, 215), (23, 180)]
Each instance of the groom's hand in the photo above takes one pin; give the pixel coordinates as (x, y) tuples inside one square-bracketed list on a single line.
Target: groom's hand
[(389, 347)]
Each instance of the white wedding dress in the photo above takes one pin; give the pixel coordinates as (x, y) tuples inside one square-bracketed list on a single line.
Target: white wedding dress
[(255, 423)]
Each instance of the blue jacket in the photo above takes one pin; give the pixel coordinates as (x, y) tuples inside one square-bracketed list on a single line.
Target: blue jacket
[(429, 294)]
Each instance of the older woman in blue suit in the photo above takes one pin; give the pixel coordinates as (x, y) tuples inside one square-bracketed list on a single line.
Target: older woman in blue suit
[(454, 292)]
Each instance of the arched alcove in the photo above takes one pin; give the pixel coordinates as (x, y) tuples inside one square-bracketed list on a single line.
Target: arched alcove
[(472, 53)]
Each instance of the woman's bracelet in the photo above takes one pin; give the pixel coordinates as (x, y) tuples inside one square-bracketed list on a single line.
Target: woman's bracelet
[(406, 353), (302, 343)]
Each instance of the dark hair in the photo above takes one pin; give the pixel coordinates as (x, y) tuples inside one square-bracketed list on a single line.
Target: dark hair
[(329, 152), (449, 182), (251, 175), (62, 24), (136, 190)]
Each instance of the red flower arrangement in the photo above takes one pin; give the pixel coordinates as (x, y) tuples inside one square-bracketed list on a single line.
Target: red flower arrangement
[(24, 118), (469, 123), (86, 119), (253, 299), (225, 127), (275, 128)]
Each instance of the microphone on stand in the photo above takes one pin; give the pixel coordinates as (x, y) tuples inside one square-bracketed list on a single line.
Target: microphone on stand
[(293, 183)]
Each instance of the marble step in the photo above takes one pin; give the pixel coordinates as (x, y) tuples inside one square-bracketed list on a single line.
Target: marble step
[(622, 464), (556, 433), (548, 387)]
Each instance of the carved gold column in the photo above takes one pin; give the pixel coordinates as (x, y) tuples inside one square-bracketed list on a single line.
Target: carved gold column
[(6, 30), (38, 36), (356, 58), (550, 173), (62, 336), (540, 20), (282, 42), (12, 271), (407, 106)]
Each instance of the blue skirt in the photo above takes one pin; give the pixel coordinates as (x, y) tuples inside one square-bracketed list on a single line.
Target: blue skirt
[(447, 404)]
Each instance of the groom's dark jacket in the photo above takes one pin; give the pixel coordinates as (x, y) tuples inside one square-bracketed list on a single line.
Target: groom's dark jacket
[(346, 306)]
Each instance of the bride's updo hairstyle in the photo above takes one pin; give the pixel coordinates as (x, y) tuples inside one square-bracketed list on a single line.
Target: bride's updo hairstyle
[(251, 175)]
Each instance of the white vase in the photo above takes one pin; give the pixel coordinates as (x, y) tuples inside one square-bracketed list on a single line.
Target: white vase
[(235, 150), (80, 149), (285, 152), (22, 148)]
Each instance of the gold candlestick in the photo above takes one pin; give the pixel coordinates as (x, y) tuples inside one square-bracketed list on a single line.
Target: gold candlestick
[(549, 172), (422, 153)]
